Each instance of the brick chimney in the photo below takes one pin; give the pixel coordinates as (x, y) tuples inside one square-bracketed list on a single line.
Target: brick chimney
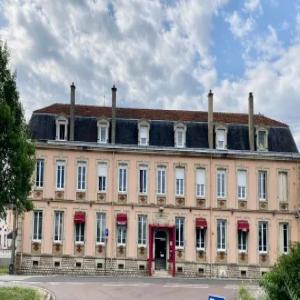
[(72, 111), (210, 120), (251, 122), (113, 114)]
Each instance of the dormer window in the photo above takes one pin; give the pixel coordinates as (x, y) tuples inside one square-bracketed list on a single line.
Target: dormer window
[(262, 139), (144, 133), (180, 132), (221, 138), (61, 128), (103, 126)]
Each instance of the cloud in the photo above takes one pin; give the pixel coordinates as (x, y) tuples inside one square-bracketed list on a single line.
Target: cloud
[(240, 27), (252, 5)]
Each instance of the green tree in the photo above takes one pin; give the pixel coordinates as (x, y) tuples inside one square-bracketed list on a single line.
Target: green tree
[(16, 150), (283, 282)]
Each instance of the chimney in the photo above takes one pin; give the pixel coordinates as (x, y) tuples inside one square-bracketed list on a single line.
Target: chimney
[(210, 120), (113, 114), (251, 122), (72, 111)]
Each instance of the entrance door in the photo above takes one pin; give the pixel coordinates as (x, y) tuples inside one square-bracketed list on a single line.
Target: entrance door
[(160, 250)]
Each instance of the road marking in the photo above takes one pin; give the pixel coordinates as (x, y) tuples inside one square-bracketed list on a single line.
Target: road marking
[(188, 286)]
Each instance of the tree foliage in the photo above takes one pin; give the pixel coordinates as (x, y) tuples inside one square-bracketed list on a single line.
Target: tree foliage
[(283, 282), (16, 150)]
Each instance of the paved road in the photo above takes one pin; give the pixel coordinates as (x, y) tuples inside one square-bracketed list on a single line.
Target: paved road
[(108, 288)]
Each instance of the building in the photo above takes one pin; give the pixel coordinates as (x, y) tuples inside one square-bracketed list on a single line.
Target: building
[(138, 191), (6, 228)]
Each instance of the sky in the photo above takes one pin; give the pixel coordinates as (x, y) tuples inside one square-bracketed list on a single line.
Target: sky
[(159, 53)]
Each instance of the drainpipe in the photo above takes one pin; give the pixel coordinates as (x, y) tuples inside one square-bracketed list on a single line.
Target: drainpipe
[(210, 215)]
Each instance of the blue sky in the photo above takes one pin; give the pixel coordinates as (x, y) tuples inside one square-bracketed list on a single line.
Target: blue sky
[(159, 53)]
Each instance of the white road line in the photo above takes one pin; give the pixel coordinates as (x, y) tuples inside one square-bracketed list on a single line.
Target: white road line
[(186, 286)]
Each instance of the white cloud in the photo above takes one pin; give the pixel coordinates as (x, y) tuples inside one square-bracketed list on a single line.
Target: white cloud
[(240, 27), (252, 5)]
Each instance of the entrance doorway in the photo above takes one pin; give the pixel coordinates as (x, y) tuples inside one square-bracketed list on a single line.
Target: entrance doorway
[(160, 250)]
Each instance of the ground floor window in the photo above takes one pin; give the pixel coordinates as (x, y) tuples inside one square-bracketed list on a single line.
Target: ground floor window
[(79, 232), (262, 237), (142, 230), (284, 237), (221, 235), (100, 229), (179, 232), (37, 225), (121, 233), (242, 240), (200, 238)]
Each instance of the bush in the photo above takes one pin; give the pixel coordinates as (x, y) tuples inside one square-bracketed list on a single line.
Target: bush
[(18, 293), (244, 294)]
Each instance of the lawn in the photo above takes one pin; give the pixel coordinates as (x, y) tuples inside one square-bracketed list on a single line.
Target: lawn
[(3, 271), (18, 293)]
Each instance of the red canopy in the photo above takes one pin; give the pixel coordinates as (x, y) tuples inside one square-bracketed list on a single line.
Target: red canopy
[(79, 217), (243, 225), (121, 219), (201, 223)]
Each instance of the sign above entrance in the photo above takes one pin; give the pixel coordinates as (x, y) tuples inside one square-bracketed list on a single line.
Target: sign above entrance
[(216, 298), (161, 219)]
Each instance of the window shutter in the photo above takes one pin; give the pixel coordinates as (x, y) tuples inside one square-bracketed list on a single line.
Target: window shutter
[(242, 178), (144, 132), (102, 170), (179, 173), (200, 176)]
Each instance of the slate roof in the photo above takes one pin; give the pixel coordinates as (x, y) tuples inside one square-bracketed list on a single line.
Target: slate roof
[(42, 126)]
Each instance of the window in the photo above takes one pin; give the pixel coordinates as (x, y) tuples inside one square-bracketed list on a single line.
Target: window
[(144, 133), (200, 238), (103, 126), (122, 179), (283, 186), (180, 130), (284, 238), (79, 232), (61, 129), (102, 177), (221, 183), (100, 228), (121, 233), (221, 138), (262, 237), (58, 225), (143, 178), (242, 184), (39, 179), (142, 230), (262, 185), (242, 241), (37, 225), (179, 222), (81, 176), (161, 181), (179, 181), (262, 139), (60, 175), (221, 235), (200, 183)]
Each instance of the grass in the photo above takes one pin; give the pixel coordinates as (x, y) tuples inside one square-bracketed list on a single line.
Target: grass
[(18, 293), (3, 271)]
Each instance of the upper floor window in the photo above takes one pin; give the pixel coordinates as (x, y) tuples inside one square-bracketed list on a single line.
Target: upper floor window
[(221, 138), (61, 128), (262, 139), (200, 182), (179, 172), (263, 237), (221, 183), (283, 186), (122, 178), (180, 133), (81, 176), (39, 179), (60, 174), (161, 180), (242, 184), (143, 179), (262, 185), (103, 126), (102, 177), (37, 225), (144, 133)]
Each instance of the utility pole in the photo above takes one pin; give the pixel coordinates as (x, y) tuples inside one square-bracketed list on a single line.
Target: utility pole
[(12, 268)]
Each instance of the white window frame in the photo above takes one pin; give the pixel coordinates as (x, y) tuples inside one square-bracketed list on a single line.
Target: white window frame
[(242, 189), (262, 185), (40, 173), (218, 129), (200, 239), (179, 182), (81, 176), (100, 228), (179, 228), (61, 120), (142, 230), (265, 146), (60, 184), (123, 182), (242, 239), (102, 169), (102, 124), (143, 125), (222, 189), (37, 229), (121, 235), (81, 232), (180, 128), (143, 179), (200, 184), (284, 228), (263, 241), (161, 180), (283, 196), (58, 217), (221, 235)]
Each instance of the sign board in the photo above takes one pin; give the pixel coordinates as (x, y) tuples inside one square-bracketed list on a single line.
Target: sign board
[(216, 298), (106, 231)]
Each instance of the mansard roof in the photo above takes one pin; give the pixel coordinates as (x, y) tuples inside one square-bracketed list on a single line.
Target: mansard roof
[(161, 134)]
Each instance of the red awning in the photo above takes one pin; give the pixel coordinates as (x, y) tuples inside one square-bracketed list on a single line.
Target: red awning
[(201, 223), (121, 219), (243, 225), (79, 217)]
